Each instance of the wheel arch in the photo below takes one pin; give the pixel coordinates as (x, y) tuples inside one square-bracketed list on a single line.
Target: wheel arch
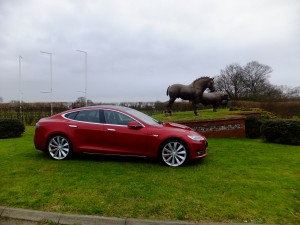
[(174, 139), (50, 136)]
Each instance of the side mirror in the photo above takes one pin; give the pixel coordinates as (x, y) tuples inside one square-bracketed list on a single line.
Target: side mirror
[(134, 125)]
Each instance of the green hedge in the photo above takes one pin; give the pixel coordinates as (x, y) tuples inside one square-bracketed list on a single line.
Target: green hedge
[(10, 128), (281, 131), (252, 126)]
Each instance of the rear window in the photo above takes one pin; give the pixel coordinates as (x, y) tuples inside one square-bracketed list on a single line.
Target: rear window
[(71, 116), (88, 116)]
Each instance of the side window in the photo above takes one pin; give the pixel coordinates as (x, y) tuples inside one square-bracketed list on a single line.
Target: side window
[(113, 117), (88, 116), (71, 115)]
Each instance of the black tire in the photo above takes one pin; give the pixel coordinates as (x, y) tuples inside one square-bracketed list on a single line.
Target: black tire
[(59, 147), (174, 153)]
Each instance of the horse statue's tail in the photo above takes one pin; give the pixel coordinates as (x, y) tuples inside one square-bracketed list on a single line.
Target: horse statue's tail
[(168, 91)]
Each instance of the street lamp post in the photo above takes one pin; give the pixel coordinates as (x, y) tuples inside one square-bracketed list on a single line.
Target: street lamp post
[(85, 89), (20, 87), (50, 54)]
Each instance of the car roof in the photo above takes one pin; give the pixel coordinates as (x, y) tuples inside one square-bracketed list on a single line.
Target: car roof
[(115, 107)]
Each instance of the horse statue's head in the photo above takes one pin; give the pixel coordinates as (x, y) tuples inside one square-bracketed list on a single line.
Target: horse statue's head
[(203, 83)]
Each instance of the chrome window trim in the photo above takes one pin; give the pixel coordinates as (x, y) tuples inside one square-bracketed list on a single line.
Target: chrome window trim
[(79, 121)]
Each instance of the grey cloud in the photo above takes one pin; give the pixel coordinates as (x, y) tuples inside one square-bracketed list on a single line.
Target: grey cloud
[(136, 49)]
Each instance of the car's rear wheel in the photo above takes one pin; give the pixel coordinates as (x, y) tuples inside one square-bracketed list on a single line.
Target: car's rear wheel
[(174, 153), (59, 147)]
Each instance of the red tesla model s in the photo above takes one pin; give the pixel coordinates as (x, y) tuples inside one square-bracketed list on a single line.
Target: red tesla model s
[(117, 130)]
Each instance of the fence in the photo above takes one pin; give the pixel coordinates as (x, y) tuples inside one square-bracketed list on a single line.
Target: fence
[(30, 113)]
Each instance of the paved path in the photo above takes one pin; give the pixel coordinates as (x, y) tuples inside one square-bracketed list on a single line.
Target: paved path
[(13, 216)]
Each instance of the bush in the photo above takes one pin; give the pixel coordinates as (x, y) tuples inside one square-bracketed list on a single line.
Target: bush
[(283, 109), (252, 127), (281, 131), (10, 128), (267, 115)]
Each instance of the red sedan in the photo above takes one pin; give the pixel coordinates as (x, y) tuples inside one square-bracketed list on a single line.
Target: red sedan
[(117, 130)]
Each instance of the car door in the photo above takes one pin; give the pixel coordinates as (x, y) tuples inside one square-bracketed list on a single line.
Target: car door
[(86, 131), (119, 138)]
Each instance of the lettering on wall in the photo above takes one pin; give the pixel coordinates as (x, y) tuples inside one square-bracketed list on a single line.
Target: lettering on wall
[(218, 127)]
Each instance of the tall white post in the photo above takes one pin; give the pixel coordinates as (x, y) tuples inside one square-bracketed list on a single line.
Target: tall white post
[(85, 89), (20, 87), (51, 106)]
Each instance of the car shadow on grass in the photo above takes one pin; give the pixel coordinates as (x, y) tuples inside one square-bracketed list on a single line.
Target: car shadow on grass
[(131, 159), (120, 159), (113, 158)]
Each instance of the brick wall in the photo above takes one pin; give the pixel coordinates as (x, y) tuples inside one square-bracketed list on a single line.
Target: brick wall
[(217, 128)]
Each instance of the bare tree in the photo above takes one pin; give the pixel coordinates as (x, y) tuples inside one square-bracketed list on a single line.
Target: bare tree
[(256, 79), (80, 102), (290, 92), (1, 99), (248, 82), (231, 81), (270, 92)]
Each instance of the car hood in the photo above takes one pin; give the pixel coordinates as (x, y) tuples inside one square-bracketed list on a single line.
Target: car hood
[(176, 125)]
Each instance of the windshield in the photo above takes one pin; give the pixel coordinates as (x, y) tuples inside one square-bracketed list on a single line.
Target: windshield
[(147, 119)]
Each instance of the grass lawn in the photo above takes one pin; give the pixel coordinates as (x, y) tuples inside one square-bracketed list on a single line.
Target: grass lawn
[(203, 114), (240, 180)]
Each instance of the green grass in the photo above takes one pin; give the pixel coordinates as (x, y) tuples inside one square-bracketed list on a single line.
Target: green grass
[(240, 180), (203, 114)]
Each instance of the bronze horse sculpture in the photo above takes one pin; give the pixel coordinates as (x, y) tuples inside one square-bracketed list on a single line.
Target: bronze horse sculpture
[(192, 92), (215, 99)]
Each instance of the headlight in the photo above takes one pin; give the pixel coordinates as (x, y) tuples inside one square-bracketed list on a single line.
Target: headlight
[(195, 137)]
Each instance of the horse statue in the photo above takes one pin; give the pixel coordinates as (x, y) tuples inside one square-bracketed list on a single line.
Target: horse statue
[(192, 92), (215, 99)]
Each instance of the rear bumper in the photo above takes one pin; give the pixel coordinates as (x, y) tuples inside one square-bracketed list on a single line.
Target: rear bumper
[(39, 139)]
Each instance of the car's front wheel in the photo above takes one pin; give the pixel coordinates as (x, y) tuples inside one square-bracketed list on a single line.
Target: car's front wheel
[(59, 147), (174, 153)]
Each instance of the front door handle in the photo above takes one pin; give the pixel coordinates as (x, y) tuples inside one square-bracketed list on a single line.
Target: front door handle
[(72, 126)]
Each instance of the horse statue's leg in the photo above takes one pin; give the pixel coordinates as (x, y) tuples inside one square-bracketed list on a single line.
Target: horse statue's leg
[(215, 107), (196, 106), (168, 111)]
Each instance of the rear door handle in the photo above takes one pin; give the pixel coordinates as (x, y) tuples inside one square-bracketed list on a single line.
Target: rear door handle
[(111, 130), (72, 126)]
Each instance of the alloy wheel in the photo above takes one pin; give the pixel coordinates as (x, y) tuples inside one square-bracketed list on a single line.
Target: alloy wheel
[(59, 147), (174, 153)]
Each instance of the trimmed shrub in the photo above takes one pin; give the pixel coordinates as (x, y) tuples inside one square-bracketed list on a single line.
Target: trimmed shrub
[(281, 131), (252, 127), (10, 128)]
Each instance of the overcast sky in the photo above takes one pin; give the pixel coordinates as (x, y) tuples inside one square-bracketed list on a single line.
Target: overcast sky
[(137, 48)]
